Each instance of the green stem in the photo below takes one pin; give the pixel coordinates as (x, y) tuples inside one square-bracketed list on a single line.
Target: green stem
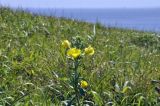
[(76, 77)]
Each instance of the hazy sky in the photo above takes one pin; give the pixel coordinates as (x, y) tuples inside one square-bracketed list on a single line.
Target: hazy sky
[(82, 3)]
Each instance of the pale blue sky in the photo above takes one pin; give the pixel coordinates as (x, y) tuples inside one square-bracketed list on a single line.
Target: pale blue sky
[(82, 3)]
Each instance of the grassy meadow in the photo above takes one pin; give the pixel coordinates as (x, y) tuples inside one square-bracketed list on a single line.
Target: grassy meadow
[(36, 71)]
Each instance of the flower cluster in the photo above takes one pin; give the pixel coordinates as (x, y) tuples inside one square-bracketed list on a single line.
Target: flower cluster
[(74, 52)]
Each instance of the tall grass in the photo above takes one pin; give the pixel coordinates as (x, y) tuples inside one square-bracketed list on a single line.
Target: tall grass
[(33, 69)]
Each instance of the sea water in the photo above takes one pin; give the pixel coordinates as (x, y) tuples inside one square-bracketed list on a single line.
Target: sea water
[(139, 19)]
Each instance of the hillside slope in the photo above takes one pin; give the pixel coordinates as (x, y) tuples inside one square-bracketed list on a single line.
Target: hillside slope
[(125, 69)]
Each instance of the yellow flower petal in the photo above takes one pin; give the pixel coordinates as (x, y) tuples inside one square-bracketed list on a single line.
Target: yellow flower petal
[(66, 44), (89, 50), (84, 84), (74, 53)]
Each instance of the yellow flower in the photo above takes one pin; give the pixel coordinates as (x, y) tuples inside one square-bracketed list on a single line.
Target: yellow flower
[(89, 50), (73, 52), (66, 44), (84, 84)]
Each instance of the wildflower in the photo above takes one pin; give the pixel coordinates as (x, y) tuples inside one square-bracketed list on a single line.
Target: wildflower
[(74, 52), (89, 50), (66, 44), (84, 84)]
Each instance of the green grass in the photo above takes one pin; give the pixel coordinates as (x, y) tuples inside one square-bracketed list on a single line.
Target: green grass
[(124, 71)]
